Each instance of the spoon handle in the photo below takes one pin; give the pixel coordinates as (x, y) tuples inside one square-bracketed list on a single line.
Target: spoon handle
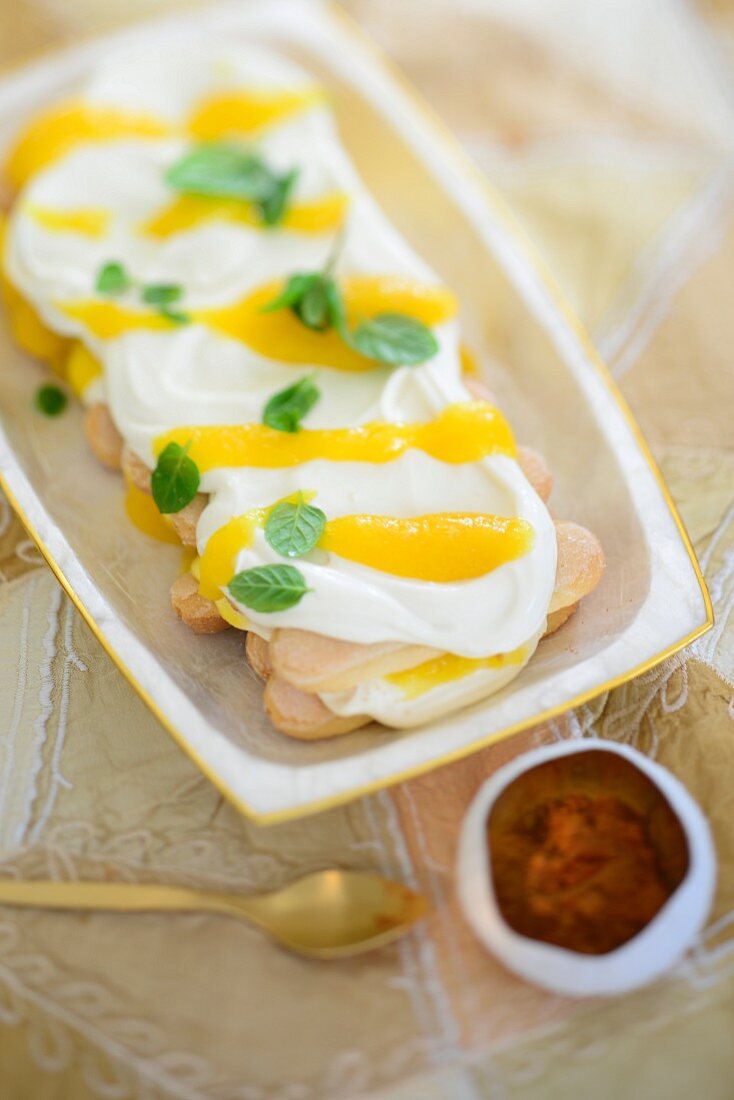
[(120, 897)]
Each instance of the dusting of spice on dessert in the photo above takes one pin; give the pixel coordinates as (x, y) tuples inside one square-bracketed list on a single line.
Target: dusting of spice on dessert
[(584, 850)]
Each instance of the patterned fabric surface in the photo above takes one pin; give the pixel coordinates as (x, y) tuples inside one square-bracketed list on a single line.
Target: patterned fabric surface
[(609, 127)]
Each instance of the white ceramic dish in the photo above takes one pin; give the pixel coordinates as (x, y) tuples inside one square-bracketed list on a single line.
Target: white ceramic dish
[(639, 961), (559, 398)]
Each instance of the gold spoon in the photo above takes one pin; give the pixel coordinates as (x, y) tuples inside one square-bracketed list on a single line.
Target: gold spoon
[(325, 915)]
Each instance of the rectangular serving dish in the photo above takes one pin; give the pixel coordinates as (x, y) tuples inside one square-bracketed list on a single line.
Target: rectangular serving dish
[(559, 397)]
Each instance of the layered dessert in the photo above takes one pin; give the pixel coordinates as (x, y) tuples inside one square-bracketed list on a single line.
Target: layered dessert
[(282, 382)]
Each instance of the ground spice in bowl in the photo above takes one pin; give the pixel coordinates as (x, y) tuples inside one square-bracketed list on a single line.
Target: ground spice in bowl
[(584, 851)]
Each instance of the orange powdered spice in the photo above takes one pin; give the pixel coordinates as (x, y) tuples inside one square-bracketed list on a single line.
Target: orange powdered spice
[(584, 861)]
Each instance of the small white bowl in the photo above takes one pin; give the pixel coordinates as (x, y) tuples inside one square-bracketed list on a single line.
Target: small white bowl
[(643, 958)]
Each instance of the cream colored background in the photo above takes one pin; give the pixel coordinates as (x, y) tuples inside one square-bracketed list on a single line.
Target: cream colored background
[(609, 127)]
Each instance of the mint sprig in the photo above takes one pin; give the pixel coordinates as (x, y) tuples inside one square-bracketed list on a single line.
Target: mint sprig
[(50, 400), (268, 588), (176, 316), (226, 171), (294, 527), (315, 299), (113, 279), (391, 338), (161, 294), (286, 409), (274, 204), (175, 480), (395, 339)]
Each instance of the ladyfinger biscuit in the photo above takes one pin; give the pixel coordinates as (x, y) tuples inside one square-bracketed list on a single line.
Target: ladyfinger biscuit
[(184, 522), (556, 619), (295, 712), (258, 657), (531, 463), (478, 389), (199, 614), (580, 564), (315, 662), (302, 715), (533, 466), (135, 470), (103, 437)]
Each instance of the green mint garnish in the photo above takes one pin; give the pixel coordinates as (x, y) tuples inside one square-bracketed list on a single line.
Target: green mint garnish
[(313, 305), (292, 529), (175, 480), (291, 294), (162, 294), (286, 409), (268, 587), (226, 171), (273, 205), (113, 279), (314, 298), (391, 338), (395, 339), (50, 400), (175, 315)]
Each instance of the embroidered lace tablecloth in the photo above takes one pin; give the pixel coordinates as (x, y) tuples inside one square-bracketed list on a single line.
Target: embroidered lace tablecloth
[(610, 127)]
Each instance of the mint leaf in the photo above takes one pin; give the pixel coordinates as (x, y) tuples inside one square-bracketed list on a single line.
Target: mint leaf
[(174, 315), (292, 529), (313, 308), (391, 338), (50, 400), (337, 312), (395, 339), (226, 171), (291, 294), (112, 279), (268, 587), (175, 480), (162, 294), (286, 409), (273, 205), (321, 306), (314, 298)]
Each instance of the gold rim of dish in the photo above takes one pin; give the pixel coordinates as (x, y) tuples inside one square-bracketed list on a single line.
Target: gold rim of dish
[(504, 214)]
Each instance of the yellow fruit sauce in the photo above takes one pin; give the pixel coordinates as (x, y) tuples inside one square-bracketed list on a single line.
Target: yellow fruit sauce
[(188, 211), (469, 364), (70, 359), (466, 432), (230, 615), (142, 512), (414, 682), (81, 368), (442, 547), (31, 334), (108, 320), (216, 565), (86, 221), (56, 132), (246, 111), (280, 335)]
